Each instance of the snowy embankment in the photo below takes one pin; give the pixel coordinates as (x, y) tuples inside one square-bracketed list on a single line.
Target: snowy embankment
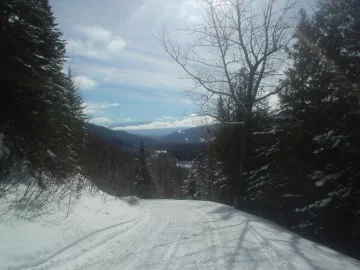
[(158, 234), (28, 241)]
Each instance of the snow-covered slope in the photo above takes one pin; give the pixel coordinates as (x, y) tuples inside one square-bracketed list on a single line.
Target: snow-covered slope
[(31, 240), (160, 234)]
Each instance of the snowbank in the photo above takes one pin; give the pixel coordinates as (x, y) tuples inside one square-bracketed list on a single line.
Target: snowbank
[(26, 241)]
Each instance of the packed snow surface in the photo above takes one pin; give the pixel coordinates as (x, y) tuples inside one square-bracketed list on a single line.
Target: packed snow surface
[(103, 232)]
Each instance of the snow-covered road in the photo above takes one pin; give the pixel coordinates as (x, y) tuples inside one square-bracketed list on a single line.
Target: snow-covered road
[(170, 234)]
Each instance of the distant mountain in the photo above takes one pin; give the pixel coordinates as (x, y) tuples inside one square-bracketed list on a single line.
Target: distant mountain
[(155, 133), (183, 144), (118, 138), (126, 139), (126, 124), (190, 135)]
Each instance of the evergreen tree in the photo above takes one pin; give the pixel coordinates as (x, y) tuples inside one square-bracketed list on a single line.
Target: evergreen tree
[(72, 128), (206, 180), (197, 185), (38, 107), (142, 176), (322, 99), (304, 162), (189, 186), (167, 175)]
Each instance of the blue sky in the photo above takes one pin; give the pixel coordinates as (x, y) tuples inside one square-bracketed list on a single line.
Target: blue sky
[(122, 70)]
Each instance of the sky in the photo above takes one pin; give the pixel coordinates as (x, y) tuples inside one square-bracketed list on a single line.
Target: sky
[(122, 70)]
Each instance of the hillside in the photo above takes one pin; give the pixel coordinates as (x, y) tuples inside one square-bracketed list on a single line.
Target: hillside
[(183, 150), (118, 138), (125, 139), (191, 135)]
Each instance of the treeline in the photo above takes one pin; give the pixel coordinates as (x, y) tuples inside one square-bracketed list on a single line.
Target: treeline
[(302, 167), (146, 173), (41, 110)]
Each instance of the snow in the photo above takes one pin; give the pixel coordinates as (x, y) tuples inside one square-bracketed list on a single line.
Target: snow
[(272, 131), (159, 152), (27, 242), (51, 154), (184, 164), (103, 232), (317, 204), (330, 177), (264, 168), (292, 196), (330, 133), (316, 175)]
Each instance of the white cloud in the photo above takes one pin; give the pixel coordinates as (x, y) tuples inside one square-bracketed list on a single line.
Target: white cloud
[(95, 42), (191, 121), (79, 47), (75, 46), (102, 121), (193, 4), (93, 108), (96, 33), (167, 79), (116, 45), (165, 118), (193, 19), (85, 83), (128, 119)]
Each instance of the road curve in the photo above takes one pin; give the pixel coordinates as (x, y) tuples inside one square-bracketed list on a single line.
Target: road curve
[(195, 235)]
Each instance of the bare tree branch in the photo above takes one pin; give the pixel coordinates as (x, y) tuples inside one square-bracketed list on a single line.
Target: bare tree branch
[(237, 48)]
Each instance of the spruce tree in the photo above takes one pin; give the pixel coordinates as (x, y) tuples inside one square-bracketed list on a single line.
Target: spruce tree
[(37, 105), (189, 186), (142, 175), (323, 101)]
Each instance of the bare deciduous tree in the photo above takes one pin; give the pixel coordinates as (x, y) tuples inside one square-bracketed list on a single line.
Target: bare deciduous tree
[(237, 52)]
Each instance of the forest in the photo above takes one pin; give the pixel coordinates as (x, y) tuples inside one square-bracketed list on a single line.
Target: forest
[(295, 161)]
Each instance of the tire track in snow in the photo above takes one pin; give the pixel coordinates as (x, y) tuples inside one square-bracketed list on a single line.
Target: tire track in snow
[(86, 245), (134, 233), (149, 235), (216, 241), (158, 233), (177, 249), (188, 235), (66, 248), (270, 251), (263, 249)]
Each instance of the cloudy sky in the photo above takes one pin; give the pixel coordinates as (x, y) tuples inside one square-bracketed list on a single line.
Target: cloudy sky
[(122, 70)]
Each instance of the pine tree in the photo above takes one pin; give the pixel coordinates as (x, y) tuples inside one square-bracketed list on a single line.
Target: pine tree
[(142, 176), (37, 104), (189, 186), (323, 101), (206, 180), (72, 128)]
